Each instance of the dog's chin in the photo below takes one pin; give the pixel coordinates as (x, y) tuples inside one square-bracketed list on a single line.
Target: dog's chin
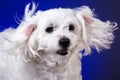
[(62, 52)]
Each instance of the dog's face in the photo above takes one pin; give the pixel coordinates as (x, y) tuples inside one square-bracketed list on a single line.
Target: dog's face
[(58, 32), (57, 35)]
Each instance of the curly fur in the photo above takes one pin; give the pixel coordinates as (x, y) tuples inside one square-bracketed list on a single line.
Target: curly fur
[(28, 52)]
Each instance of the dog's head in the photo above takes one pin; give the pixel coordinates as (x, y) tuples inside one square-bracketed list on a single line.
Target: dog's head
[(62, 32)]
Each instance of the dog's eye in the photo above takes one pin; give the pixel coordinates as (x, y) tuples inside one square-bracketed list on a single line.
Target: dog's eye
[(71, 27), (49, 29)]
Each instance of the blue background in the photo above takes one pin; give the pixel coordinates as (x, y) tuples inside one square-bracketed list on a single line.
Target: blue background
[(103, 66)]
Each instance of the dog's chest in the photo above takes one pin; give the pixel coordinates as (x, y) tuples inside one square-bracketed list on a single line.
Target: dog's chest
[(71, 71)]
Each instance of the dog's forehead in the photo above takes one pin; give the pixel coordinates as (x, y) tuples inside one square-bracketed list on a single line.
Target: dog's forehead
[(57, 14)]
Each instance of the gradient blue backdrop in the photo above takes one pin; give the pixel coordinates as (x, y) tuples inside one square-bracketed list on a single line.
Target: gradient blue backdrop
[(105, 66)]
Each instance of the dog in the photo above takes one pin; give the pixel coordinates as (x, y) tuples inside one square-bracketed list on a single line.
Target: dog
[(46, 45)]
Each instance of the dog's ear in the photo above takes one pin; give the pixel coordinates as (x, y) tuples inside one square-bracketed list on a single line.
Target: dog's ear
[(28, 31), (23, 32), (28, 24), (95, 33)]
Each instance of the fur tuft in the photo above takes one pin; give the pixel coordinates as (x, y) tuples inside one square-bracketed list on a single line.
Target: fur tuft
[(28, 12), (100, 34)]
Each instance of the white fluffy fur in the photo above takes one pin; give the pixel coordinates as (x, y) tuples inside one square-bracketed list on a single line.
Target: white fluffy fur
[(29, 53)]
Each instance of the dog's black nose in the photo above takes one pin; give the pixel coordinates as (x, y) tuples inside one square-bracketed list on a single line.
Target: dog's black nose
[(64, 42)]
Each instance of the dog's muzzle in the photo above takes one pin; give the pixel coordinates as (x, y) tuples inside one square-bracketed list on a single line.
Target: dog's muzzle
[(64, 43)]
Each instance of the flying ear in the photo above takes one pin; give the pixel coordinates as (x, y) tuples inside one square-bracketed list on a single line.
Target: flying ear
[(28, 24), (96, 33)]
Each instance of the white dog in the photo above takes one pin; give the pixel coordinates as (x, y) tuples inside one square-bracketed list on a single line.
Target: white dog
[(46, 44)]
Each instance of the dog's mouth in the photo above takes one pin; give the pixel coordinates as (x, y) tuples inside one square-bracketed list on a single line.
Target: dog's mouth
[(63, 51)]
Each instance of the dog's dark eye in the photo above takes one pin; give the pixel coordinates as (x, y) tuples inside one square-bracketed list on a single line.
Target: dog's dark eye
[(71, 27), (49, 29)]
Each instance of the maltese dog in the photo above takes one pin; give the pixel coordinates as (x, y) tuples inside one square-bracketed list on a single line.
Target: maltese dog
[(46, 45)]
